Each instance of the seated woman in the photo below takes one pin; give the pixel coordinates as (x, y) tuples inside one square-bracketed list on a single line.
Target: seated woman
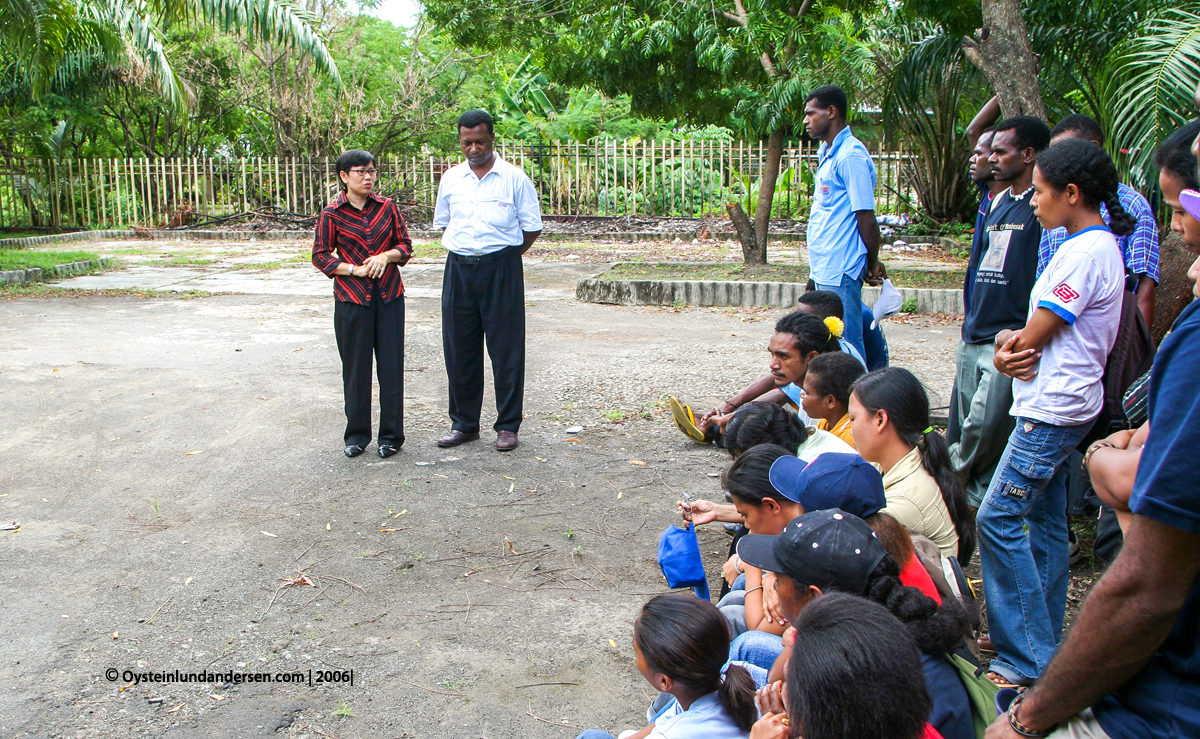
[(889, 412), (831, 550), (855, 674), (680, 643), (767, 423), (826, 396)]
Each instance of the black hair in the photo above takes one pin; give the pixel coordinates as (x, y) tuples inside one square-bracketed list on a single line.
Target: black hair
[(810, 332), (1083, 126), (936, 630), (473, 118), (854, 673), (901, 394), (810, 285), (825, 303), (687, 639), (763, 423), (831, 96), (833, 373), (749, 477), (1088, 167), (350, 159), (1028, 132), (1176, 158)]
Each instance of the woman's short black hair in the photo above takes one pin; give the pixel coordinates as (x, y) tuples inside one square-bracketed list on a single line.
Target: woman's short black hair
[(855, 672), (350, 159), (762, 423), (749, 477), (1175, 156), (473, 118)]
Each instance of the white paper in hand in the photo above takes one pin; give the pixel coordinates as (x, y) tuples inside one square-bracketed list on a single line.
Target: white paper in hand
[(889, 302)]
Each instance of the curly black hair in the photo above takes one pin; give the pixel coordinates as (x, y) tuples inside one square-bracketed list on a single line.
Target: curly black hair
[(935, 629), (760, 422), (810, 332), (1028, 132), (1176, 158), (1088, 167)]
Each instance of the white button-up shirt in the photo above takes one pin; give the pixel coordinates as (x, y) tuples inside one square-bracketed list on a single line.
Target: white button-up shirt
[(482, 216)]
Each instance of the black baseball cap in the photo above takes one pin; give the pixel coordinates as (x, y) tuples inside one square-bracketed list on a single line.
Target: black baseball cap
[(831, 549)]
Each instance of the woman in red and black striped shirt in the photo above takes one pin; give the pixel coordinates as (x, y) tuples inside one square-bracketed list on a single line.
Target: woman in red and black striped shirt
[(361, 242)]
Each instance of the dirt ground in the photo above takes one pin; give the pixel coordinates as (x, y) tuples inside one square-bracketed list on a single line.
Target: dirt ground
[(176, 470)]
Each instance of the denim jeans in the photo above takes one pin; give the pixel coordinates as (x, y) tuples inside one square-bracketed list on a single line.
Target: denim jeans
[(850, 291), (756, 647), (1023, 547)]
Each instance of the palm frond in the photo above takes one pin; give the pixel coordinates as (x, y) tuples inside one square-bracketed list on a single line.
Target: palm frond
[(272, 22), (1151, 85)]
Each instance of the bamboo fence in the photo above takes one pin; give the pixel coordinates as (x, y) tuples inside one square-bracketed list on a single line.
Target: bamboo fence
[(602, 177)]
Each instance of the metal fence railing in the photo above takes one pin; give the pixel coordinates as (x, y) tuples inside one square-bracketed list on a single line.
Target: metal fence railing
[(601, 177)]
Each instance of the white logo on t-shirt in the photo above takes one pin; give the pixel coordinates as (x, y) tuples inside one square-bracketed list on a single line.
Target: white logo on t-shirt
[(997, 253)]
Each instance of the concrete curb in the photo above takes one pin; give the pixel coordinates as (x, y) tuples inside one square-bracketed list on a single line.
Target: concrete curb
[(65, 238), (727, 293), (37, 274)]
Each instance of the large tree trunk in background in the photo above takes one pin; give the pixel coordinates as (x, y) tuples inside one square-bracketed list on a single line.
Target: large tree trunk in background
[(745, 234), (1001, 51), (766, 194), (1174, 288)]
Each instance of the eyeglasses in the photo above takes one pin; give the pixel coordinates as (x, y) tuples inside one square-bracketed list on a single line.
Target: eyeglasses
[(365, 172)]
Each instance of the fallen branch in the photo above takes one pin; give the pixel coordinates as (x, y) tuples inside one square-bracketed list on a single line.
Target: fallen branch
[(534, 685), (431, 690), (529, 713)]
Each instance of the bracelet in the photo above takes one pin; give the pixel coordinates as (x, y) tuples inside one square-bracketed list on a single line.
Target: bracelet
[(352, 270), (737, 565), (751, 590), (1020, 728), (1087, 458)]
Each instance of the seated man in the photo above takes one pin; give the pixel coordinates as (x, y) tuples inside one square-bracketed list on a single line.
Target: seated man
[(799, 336)]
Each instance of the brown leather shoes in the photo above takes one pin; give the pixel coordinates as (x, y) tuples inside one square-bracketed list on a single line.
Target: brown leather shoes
[(456, 437), (506, 441)]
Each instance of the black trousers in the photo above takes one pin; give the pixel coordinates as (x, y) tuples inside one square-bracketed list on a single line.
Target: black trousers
[(361, 330), (483, 298)]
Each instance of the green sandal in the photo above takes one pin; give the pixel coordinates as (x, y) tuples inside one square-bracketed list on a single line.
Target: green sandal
[(685, 421)]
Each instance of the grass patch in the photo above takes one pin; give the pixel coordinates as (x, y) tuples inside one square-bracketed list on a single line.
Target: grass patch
[(24, 259), (726, 272), (428, 250), (185, 262), (44, 290)]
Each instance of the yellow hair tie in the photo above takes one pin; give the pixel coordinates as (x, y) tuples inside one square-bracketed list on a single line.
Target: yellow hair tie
[(835, 326)]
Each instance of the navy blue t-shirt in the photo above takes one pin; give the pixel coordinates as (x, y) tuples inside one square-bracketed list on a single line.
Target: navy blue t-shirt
[(874, 342), (951, 714), (1163, 700), (1003, 269), (985, 204)]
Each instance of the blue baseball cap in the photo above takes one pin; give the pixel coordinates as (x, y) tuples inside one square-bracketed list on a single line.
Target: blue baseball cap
[(832, 480)]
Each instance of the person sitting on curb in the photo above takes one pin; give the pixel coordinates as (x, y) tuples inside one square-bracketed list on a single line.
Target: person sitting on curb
[(874, 341), (832, 550), (798, 337), (826, 396), (826, 304)]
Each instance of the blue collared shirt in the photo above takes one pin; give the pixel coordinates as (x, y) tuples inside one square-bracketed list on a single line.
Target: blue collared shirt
[(1139, 249), (484, 215), (845, 185)]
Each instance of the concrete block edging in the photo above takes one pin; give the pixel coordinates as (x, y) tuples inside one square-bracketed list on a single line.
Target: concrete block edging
[(37, 274), (728, 293)]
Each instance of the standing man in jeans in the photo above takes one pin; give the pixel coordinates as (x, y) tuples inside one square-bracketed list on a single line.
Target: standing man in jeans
[(842, 236), (1002, 269), (491, 216)]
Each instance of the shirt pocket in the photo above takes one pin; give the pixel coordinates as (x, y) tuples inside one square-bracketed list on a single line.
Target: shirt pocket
[(462, 208), (496, 212)]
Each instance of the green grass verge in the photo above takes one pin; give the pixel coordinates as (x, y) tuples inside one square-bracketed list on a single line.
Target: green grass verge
[(47, 290), (767, 273), (24, 259)]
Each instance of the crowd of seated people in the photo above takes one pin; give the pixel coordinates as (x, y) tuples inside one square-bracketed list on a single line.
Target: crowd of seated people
[(845, 612)]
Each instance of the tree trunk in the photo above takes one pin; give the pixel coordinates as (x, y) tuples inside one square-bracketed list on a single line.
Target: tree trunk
[(766, 195), (745, 233), (1002, 53)]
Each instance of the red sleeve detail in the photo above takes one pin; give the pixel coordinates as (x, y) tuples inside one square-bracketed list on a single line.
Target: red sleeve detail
[(323, 244)]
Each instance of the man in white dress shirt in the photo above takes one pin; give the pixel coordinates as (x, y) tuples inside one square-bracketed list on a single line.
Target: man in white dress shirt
[(491, 216)]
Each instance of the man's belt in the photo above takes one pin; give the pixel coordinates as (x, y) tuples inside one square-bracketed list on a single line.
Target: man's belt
[(481, 258)]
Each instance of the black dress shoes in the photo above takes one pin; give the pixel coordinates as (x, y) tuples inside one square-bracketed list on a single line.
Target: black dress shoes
[(387, 450), (353, 450), (456, 437)]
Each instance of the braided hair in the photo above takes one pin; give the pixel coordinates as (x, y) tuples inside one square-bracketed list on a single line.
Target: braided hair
[(901, 394), (1088, 167), (935, 629)]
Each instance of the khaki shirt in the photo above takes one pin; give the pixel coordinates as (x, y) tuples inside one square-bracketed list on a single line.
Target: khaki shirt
[(915, 500)]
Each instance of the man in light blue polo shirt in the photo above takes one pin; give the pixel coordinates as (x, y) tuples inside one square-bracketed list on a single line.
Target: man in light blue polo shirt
[(843, 236)]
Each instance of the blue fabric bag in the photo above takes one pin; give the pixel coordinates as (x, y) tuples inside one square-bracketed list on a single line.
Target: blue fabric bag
[(679, 558)]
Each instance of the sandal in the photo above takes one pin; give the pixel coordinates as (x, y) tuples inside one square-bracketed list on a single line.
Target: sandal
[(685, 421), (1003, 682)]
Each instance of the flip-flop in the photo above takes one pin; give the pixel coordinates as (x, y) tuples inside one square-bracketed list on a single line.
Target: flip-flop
[(685, 421), (1003, 682)]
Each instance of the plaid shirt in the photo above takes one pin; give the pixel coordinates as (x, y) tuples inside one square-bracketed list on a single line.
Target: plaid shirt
[(355, 235), (1139, 249)]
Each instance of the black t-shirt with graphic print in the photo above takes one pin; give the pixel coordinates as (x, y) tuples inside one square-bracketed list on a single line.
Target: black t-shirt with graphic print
[(1004, 267)]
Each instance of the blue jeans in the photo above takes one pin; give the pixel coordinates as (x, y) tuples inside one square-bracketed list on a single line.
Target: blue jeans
[(595, 734), (756, 647), (1023, 547), (850, 291)]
